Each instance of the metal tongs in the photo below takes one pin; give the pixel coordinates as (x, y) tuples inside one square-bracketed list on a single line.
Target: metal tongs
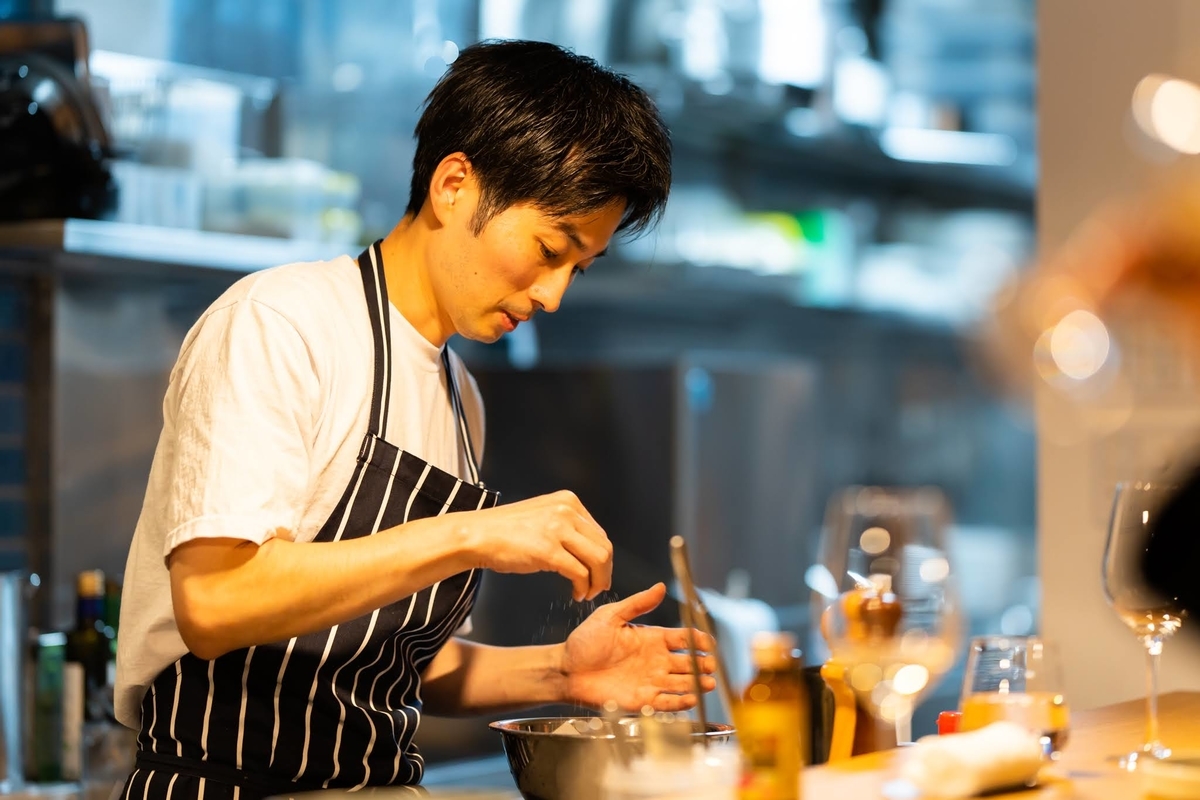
[(695, 617)]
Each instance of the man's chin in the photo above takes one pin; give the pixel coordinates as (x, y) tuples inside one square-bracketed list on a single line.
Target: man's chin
[(483, 336)]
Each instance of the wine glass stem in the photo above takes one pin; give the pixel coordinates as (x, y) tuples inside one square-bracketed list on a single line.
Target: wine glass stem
[(1154, 645), (904, 727)]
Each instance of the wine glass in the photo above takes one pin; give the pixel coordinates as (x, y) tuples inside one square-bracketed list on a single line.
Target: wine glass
[(1019, 679), (1152, 617), (892, 619)]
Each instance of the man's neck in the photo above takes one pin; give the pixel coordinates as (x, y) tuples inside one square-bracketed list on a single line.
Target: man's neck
[(406, 269)]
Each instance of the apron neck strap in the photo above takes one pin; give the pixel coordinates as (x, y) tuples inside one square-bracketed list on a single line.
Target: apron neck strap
[(370, 264), (464, 430)]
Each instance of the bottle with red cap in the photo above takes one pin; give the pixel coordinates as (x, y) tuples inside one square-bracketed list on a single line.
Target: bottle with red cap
[(947, 722)]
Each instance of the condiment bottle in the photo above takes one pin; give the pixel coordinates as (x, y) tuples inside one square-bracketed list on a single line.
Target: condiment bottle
[(773, 721), (880, 610)]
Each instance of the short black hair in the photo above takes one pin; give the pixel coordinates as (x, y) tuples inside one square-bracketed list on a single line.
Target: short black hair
[(545, 126)]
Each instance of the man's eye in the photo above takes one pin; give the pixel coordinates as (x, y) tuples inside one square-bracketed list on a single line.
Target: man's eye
[(547, 253)]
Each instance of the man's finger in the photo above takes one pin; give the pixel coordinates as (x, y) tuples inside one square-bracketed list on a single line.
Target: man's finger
[(595, 557), (573, 570), (681, 662), (673, 702), (677, 639), (684, 683), (638, 604), (591, 529)]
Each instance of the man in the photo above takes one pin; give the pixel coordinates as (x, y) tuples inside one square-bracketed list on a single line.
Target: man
[(314, 525)]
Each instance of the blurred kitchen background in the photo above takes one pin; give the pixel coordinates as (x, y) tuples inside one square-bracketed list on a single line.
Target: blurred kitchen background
[(853, 182), (855, 179)]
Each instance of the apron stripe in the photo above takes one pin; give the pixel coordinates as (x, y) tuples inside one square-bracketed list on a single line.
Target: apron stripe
[(360, 472), (412, 679), (279, 688), (410, 676), (153, 718), (171, 784), (413, 495), (370, 705), (201, 790), (395, 642), (207, 711), (449, 500), (146, 787), (337, 742), (175, 707), (241, 735), (429, 609), (132, 780), (312, 693), (387, 494), (453, 620)]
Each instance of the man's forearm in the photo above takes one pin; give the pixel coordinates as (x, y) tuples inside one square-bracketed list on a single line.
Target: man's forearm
[(467, 678), (228, 594)]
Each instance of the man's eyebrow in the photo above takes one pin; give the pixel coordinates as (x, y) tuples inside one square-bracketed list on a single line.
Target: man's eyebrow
[(569, 231)]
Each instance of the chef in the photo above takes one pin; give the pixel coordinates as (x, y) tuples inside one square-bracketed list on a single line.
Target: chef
[(314, 527)]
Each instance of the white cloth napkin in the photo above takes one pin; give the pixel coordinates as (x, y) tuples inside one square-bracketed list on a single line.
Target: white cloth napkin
[(965, 764)]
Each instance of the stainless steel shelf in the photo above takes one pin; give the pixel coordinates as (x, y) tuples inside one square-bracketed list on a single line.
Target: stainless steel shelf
[(143, 243)]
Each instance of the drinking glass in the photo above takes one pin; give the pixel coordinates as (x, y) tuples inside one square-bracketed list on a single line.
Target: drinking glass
[(1152, 617), (892, 618), (1016, 678)]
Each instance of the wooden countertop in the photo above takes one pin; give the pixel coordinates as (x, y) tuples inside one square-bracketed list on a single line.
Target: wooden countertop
[(1084, 773)]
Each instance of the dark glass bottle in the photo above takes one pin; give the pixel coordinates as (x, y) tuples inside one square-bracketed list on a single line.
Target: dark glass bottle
[(89, 645)]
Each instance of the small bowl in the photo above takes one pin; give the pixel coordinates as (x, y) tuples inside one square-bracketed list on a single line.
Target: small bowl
[(570, 766)]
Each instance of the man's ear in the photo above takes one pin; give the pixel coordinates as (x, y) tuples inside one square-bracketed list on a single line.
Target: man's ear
[(452, 180)]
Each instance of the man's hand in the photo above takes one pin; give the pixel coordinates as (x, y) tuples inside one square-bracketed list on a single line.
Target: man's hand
[(550, 533), (607, 658)]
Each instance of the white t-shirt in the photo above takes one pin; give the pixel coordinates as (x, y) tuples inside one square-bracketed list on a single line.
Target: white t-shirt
[(264, 414)]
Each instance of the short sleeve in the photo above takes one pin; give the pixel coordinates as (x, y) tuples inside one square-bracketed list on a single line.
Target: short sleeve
[(239, 417)]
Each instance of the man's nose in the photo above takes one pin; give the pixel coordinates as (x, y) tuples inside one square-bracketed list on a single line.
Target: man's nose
[(548, 292)]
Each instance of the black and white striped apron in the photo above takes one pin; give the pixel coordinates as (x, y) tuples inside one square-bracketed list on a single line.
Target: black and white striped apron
[(337, 708)]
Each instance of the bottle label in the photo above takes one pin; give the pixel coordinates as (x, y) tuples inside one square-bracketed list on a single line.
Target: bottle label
[(771, 738)]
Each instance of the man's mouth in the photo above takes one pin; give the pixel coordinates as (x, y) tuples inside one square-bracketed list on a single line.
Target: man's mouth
[(511, 321)]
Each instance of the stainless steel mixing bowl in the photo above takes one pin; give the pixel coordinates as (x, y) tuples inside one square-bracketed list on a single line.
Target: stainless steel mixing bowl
[(570, 766)]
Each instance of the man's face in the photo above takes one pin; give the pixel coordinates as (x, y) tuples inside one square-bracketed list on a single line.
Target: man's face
[(521, 263)]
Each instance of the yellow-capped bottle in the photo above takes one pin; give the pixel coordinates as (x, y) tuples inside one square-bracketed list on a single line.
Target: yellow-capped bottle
[(772, 721)]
